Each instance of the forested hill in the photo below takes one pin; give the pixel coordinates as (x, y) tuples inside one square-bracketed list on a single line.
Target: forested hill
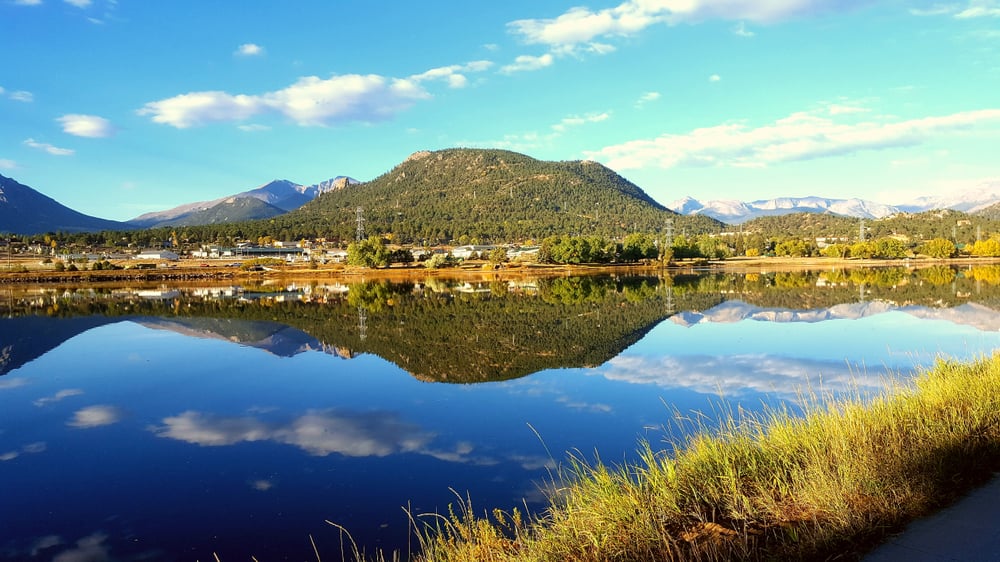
[(491, 195), (953, 225)]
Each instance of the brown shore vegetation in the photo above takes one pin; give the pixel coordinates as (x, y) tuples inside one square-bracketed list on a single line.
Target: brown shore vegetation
[(829, 484), (194, 270)]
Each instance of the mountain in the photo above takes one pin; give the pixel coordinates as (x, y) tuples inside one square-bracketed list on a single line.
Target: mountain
[(737, 212), (980, 197), (26, 211), (492, 195), (233, 209), (991, 212), (975, 315), (272, 337), (276, 197)]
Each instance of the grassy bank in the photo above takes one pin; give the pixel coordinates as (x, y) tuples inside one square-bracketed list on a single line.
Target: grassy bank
[(829, 484)]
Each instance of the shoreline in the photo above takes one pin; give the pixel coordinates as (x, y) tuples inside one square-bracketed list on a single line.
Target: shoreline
[(478, 272)]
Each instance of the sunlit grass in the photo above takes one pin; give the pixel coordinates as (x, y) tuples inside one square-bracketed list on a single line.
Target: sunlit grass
[(829, 482)]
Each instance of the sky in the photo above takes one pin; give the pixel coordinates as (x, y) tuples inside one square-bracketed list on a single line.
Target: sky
[(120, 107)]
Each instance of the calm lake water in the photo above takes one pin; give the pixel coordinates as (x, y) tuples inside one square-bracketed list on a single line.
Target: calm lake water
[(174, 422)]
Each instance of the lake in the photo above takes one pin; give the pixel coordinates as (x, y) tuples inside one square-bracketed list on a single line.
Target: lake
[(179, 422)]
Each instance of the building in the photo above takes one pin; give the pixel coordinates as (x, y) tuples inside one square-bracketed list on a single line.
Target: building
[(465, 252), (157, 255)]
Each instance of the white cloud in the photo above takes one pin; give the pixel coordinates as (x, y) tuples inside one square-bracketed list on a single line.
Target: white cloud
[(714, 78), (454, 75), (800, 136), (936, 10), (79, 3), (979, 12), (974, 9), (576, 120), (528, 62), (200, 108), (741, 30), (249, 50), (53, 150), (253, 128), (57, 396), (647, 97), (27, 2), (312, 101), (90, 126), (527, 142), (7, 164), (95, 416), (580, 26), (309, 102), (21, 95)]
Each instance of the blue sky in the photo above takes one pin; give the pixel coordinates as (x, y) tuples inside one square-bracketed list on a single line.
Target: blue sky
[(119, 107)]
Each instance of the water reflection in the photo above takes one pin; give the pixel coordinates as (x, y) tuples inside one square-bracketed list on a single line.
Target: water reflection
[(172, 422)]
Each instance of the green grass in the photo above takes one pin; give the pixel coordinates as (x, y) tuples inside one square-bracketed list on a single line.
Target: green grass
[(827, 484)]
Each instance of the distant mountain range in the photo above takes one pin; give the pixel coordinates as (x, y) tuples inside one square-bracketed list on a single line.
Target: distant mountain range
[(976, 315), (737, 212), (269, 200), (490, 193), (730, 211), (971, 201)]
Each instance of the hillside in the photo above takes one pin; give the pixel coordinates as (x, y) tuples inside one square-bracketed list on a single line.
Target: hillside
[(234, 209), (492, 195), (802, 225), (992, 212), (953, 225), (24, 210)]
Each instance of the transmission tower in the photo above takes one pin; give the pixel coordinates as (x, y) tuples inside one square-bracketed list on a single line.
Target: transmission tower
[(362, 323), (360, 234), (861, 230)]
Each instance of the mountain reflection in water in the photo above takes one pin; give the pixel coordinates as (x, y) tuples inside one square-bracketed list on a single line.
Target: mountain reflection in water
[(175, 422), (489, 331)]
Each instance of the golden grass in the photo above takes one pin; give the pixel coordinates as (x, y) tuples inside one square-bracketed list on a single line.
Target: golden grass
[(830, 483)]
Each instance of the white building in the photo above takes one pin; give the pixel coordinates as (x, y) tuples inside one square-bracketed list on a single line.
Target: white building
[(157, 255)]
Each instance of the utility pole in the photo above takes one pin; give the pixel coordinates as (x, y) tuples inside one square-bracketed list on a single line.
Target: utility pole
[(362, 323), (360, 233)]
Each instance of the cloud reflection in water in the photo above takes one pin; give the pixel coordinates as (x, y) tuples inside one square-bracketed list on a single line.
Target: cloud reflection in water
[(736, 375), (95, 416), (318, 433)]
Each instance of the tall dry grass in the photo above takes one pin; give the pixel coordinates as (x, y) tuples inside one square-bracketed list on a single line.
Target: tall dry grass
[(827, 483)]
